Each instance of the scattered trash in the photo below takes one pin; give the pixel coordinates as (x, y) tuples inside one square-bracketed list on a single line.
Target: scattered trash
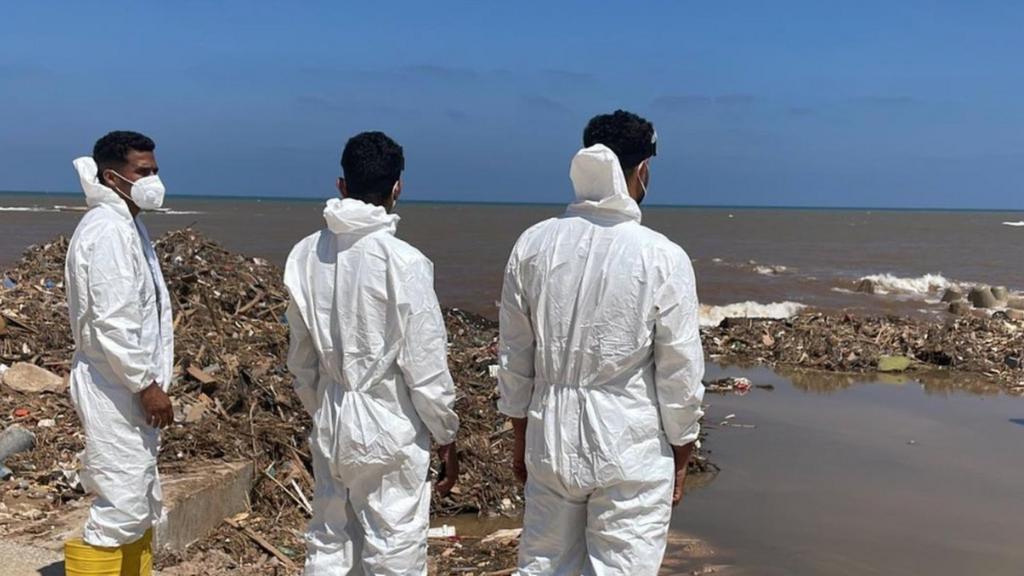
[(444, 531), (506, 537), (14, 440), (739, 386), (894, 363), (234, 395), (844, 342), (46, 423)]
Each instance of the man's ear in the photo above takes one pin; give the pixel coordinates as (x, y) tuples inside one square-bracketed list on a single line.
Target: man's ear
[(342, 187)]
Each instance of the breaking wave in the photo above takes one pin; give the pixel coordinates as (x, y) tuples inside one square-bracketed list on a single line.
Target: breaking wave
[(927, 284), (1017, 224), (713, 315), (25, 209)]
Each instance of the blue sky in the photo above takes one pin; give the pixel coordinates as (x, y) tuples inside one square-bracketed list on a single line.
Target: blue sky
[(895, 104)]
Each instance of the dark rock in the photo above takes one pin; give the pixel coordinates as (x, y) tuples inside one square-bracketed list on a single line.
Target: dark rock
[(982, 297), (952, 295), (867, 286), (960, 308)]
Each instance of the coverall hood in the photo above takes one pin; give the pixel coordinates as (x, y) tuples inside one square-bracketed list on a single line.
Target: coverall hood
[(96, 193), (600, 184), (351, 216)]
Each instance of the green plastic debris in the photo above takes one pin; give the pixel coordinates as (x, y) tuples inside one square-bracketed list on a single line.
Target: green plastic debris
[(894, 363)]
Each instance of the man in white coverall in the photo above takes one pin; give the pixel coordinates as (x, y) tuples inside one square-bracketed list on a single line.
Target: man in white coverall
[(120, 315), (600, 367), (369, 355)]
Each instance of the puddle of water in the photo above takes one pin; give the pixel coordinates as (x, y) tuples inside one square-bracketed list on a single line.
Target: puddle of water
[(842, 477), (473, 526)]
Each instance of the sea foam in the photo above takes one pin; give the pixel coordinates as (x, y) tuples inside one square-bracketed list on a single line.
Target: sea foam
[(927, 284), (713, 315), (24, 209)]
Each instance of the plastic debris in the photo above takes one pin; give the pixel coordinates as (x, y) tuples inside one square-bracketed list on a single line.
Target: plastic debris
[(444, 531), (15, 439)]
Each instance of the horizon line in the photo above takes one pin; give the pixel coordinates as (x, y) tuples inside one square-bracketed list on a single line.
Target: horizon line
[(537, 203)]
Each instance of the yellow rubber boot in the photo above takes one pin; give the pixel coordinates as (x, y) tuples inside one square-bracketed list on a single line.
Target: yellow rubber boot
[(135, 559), (138, 556), (81, 559)]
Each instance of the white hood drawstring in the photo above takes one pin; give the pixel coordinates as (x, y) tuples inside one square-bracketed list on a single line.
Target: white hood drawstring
[(600, 185)]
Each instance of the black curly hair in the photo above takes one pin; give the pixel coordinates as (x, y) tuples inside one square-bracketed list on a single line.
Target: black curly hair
[(631, 137), (372, 163), (111, 151)]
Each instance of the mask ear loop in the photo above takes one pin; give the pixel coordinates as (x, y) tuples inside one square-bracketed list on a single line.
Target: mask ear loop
[(118, 190), (394, 195), (639, 179)]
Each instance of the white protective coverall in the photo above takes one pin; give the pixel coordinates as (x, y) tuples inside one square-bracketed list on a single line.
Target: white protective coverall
[(369, 355), (600, 351), (120, 314)]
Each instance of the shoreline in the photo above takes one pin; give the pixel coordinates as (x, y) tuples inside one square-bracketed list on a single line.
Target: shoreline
[(239, 405), (961, 348)]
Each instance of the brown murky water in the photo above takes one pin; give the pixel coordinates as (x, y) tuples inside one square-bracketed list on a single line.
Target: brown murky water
[(822, 251), (840, 477)]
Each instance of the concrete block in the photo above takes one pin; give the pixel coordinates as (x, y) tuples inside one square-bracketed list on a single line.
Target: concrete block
[(197, 502)]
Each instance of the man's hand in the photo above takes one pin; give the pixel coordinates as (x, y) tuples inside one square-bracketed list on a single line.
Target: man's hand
[(519, 449), (681, 457), (157, 406), (449, 457)]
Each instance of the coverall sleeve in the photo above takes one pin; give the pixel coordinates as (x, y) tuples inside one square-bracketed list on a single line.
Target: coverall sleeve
[(303, 362), (115, 296), (678, 356), (424, 356), (516, 346)]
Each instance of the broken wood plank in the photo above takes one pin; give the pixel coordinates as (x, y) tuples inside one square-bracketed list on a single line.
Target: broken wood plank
[(264, 543), (201, 376)]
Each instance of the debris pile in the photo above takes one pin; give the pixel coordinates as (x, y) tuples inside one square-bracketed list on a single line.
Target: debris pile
[(990, 347), (233, 399)]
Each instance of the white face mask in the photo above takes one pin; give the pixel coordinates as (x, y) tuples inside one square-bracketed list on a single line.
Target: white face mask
[(147, 192)]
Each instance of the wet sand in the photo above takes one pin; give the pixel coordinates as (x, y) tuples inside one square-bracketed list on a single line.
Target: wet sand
[(862, 479)]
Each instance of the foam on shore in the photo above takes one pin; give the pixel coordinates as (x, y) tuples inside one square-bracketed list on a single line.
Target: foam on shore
[(25, 209), (926, 284), (713, 315)]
